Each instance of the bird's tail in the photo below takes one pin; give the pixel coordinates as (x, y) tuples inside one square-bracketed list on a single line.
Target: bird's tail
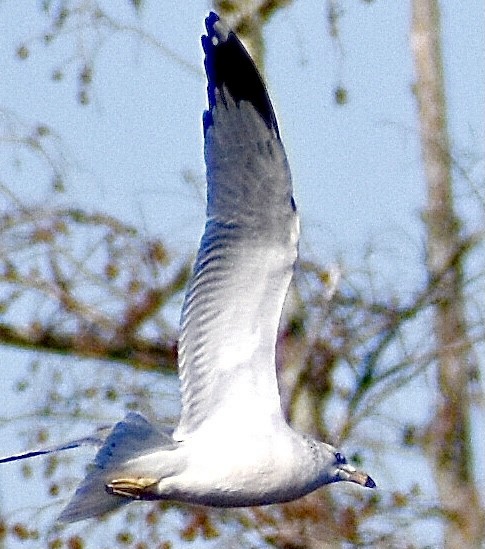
[(129, 439)]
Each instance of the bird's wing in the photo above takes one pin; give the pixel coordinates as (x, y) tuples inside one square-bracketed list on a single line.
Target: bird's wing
[(122, 454), (245, 261), (96, 440)]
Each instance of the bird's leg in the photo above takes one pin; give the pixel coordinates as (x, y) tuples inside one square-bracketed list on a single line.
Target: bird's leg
[(134, 488)]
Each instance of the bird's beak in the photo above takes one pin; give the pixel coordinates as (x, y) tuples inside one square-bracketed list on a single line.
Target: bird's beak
[(350, 474)]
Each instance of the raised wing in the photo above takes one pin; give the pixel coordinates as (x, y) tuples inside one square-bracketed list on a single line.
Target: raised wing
[(245, 261)]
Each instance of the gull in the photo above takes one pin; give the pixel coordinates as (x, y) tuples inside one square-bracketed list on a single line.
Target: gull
[(233, 446)]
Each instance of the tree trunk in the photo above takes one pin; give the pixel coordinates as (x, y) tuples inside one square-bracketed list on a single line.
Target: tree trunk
[(449, 445)]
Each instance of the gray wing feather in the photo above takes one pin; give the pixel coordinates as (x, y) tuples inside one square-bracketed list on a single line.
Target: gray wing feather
[(127, 442), (242, 272)]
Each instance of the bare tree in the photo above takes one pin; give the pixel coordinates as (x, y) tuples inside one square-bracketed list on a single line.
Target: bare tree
[(101, 289), (448, 443)]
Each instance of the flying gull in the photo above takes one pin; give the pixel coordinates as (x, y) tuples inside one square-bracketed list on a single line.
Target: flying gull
[(233, 446)]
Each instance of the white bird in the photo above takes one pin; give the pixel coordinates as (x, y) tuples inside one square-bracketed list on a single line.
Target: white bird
[(233, 446)]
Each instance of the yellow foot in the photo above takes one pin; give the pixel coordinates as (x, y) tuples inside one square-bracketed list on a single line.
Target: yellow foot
[(135, 488)]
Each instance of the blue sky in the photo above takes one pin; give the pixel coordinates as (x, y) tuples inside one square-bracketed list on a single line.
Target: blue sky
[(356, 169)]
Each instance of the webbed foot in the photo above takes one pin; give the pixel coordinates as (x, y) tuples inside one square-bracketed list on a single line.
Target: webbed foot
[(134, 488)]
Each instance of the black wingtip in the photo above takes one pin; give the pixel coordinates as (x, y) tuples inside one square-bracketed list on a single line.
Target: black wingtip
[(210, 20), (229, 67)]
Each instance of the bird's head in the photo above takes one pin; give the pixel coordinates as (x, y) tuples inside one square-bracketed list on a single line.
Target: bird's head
[(337, 468)]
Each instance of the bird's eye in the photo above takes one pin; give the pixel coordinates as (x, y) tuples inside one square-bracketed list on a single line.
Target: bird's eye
[(341, 460)]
